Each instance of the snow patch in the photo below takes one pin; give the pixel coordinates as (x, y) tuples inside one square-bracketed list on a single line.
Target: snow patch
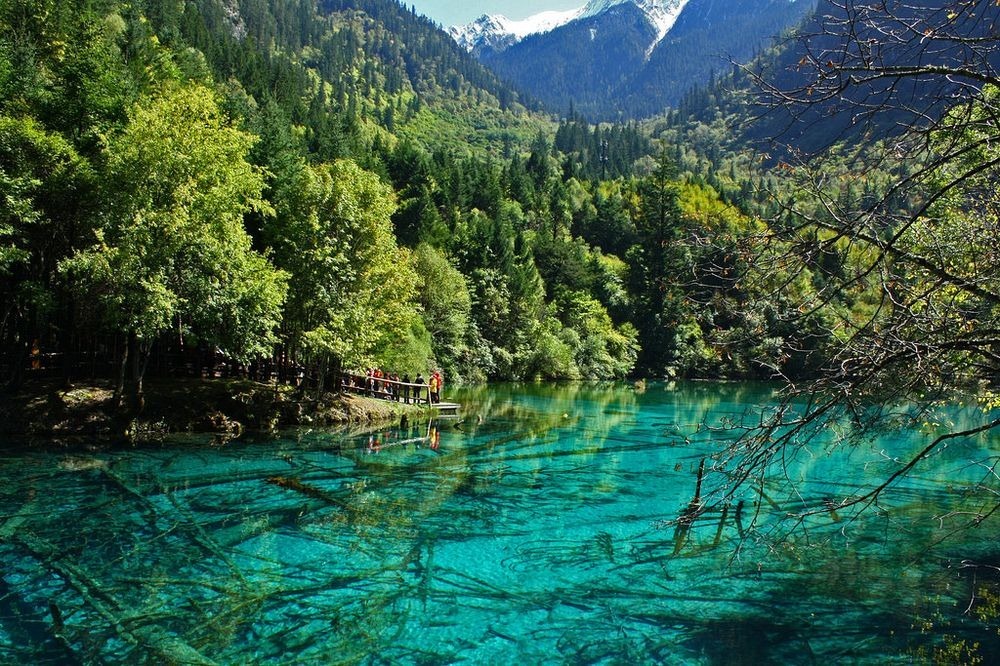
[(500, 30), (491, 29), (661, 13), (542, 22)]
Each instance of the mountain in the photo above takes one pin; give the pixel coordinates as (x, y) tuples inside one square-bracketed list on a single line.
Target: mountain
[(336, 63), (660, 13), (496, 32), (883, 95), (627, 58)]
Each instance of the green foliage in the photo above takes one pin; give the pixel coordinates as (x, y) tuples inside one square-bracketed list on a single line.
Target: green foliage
[(601, 350), (446, 308), (658, 263), (172, 251), (344, 186), (45, 206), (43, 190), (600, 152), (551, 354), (611, 227), (351, 288), (563, 263)]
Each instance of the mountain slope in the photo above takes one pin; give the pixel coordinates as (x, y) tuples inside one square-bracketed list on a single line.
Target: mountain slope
[(495, 32), (707, 35), (661, 13), (919, 57), (592, 54), (633, 58), (349, 61)]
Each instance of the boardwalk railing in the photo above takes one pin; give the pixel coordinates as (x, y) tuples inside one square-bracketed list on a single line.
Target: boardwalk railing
[(386, 389)]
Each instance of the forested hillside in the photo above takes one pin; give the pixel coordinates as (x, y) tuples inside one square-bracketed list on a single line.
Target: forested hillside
[(282, 190), (709, 35)]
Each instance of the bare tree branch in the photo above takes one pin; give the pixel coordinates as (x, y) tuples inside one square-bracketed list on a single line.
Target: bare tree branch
[(911, 91)]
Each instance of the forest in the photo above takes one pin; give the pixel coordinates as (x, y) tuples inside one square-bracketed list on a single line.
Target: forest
[(273, 186)]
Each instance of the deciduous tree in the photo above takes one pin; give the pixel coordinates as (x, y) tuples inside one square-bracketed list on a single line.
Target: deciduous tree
[(46, 207), (352, 289), (172, 252)]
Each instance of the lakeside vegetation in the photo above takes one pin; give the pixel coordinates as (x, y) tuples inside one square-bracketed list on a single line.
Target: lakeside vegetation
[(272, 189), (178, 182), (47, 414)]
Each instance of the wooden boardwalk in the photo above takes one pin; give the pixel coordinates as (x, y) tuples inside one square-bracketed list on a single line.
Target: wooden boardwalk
[(391, 390), (446, 408)]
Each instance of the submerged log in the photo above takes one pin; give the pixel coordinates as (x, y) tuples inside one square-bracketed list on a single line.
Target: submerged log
[(695, 507), (291, 483), (26, 627), (767, 498), (739, 517), (164, 645), (722, 525), (11, 526), (692, 511)]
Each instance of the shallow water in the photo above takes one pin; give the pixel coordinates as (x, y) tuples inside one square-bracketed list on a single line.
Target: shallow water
[(539, 528)]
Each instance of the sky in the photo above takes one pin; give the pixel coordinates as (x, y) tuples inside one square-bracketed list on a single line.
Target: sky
[(460, 12)]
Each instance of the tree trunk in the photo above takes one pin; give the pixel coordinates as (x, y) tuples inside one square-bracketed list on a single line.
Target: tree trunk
[(129, 394), (70, 345), (120, 386), (22, 352), (321, 370), (338, 374), (18, 360)]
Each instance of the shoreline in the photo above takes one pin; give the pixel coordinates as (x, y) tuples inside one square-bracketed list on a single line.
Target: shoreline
[(53, 413)]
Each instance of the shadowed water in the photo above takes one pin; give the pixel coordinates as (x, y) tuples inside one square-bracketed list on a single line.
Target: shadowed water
[(540, 528)]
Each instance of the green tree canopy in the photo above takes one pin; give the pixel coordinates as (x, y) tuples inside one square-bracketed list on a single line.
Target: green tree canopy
[(172, 252), (447, 306), (352, 289), (46, 206)]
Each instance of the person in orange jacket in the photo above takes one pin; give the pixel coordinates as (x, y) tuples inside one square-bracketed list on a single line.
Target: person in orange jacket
[(435, 386)]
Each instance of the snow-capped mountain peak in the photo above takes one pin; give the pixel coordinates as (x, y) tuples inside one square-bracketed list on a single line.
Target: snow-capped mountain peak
[(661, 13), (498, 31), (495, 29)]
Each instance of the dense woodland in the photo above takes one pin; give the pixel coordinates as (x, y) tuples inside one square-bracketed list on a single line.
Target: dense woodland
[(272, 186)]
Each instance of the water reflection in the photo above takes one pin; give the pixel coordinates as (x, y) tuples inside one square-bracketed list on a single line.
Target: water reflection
[(542, 526)]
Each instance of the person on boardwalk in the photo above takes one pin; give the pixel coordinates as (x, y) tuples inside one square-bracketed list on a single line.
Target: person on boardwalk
[(418, 391), (434, 386)]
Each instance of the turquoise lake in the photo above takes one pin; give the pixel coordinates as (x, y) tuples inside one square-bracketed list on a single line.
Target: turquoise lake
[(538, 527)]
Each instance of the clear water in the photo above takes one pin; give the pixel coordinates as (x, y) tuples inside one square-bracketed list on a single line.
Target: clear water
[(538, 529)]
